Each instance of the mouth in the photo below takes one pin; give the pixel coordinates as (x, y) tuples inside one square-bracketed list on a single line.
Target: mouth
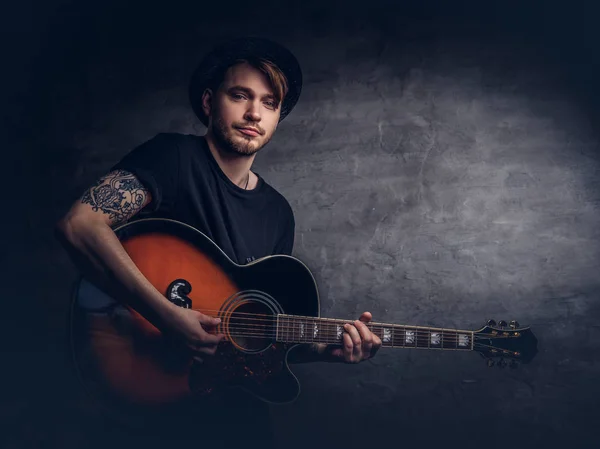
[(249, 132)]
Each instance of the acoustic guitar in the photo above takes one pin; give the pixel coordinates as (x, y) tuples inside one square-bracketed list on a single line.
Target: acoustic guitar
[(267, 308)]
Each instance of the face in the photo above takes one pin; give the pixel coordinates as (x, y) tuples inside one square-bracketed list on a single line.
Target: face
[(243, 100)]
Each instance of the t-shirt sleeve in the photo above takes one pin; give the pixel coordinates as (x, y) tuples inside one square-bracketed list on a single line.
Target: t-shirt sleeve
[(285, 245), (156, 165)]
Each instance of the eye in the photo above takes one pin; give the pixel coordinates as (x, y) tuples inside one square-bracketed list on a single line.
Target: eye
[(271, 104), (238, 96)]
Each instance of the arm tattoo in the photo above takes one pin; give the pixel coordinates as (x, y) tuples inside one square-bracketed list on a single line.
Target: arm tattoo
[(118, 194)]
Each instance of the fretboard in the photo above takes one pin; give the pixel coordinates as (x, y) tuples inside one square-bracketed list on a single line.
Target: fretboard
[(305, 329)]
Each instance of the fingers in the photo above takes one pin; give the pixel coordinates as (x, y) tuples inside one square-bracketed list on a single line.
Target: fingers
[(366, 317), (348, 349), (359, 342), (366, 336), (376, 345), (352, 344), (208, 320)]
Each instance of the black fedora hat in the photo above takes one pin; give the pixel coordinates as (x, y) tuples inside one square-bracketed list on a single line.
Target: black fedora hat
[(215, 63)]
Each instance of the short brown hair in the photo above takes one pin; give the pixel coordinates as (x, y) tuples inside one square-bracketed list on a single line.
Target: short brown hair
[(276, 77)]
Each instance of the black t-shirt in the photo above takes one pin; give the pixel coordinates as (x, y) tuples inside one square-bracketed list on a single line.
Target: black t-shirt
[(188, 185)]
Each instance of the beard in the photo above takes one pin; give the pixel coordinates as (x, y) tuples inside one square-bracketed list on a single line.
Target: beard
[(233, 142)]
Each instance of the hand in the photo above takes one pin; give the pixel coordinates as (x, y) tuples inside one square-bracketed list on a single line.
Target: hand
[(191, 327), (358, 342)]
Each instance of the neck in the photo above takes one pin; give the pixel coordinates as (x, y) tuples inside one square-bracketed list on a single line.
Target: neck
[(301, 329), (235, 166)]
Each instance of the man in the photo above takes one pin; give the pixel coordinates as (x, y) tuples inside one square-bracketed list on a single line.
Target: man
[(240, 92)]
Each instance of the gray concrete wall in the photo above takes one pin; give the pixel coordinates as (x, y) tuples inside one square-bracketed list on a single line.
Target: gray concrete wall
[(442, 164)]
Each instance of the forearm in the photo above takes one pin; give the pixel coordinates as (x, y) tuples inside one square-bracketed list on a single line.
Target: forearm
[(100, 257)]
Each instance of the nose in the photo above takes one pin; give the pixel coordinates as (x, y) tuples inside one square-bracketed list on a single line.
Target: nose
[(253, 112)]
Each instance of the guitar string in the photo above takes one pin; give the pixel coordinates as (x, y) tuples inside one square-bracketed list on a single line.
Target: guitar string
[(322, 320), (326, 333), (254, 330), (331, 337), (330, 321), (446, 343), (326, 324), (330, 332), (404, 345)]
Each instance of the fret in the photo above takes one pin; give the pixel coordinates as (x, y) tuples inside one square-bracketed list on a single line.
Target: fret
[(283, 329), (402, 337), (295, 329), (418, 338), (332, 332), (306, 329), (422, 338)]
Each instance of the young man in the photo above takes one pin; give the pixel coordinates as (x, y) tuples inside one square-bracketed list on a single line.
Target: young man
[(241, 91)]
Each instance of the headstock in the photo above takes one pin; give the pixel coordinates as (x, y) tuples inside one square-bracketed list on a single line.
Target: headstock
[(505, 341)]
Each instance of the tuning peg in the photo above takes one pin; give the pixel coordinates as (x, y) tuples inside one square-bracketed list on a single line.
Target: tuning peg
[(502, 323), (491, 323), (490, 363), (502, 363), (514, 324)]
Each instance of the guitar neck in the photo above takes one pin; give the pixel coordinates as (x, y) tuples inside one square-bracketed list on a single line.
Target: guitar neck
[(306, 329)]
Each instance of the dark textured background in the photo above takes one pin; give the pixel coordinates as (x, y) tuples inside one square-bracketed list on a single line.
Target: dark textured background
[(443, 167)]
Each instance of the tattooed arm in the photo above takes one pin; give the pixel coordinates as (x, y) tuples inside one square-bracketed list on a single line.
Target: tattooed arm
[(118, 196), (85, 232)]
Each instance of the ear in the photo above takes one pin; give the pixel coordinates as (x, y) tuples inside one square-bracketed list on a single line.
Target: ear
[(207, 98)]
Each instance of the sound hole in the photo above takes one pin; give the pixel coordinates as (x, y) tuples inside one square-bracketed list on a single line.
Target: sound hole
[(252, 326)]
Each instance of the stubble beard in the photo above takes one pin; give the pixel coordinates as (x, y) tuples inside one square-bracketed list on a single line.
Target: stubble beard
[(227, 140)]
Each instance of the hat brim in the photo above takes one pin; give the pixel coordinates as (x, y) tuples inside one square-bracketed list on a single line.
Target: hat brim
[(225, 54)]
